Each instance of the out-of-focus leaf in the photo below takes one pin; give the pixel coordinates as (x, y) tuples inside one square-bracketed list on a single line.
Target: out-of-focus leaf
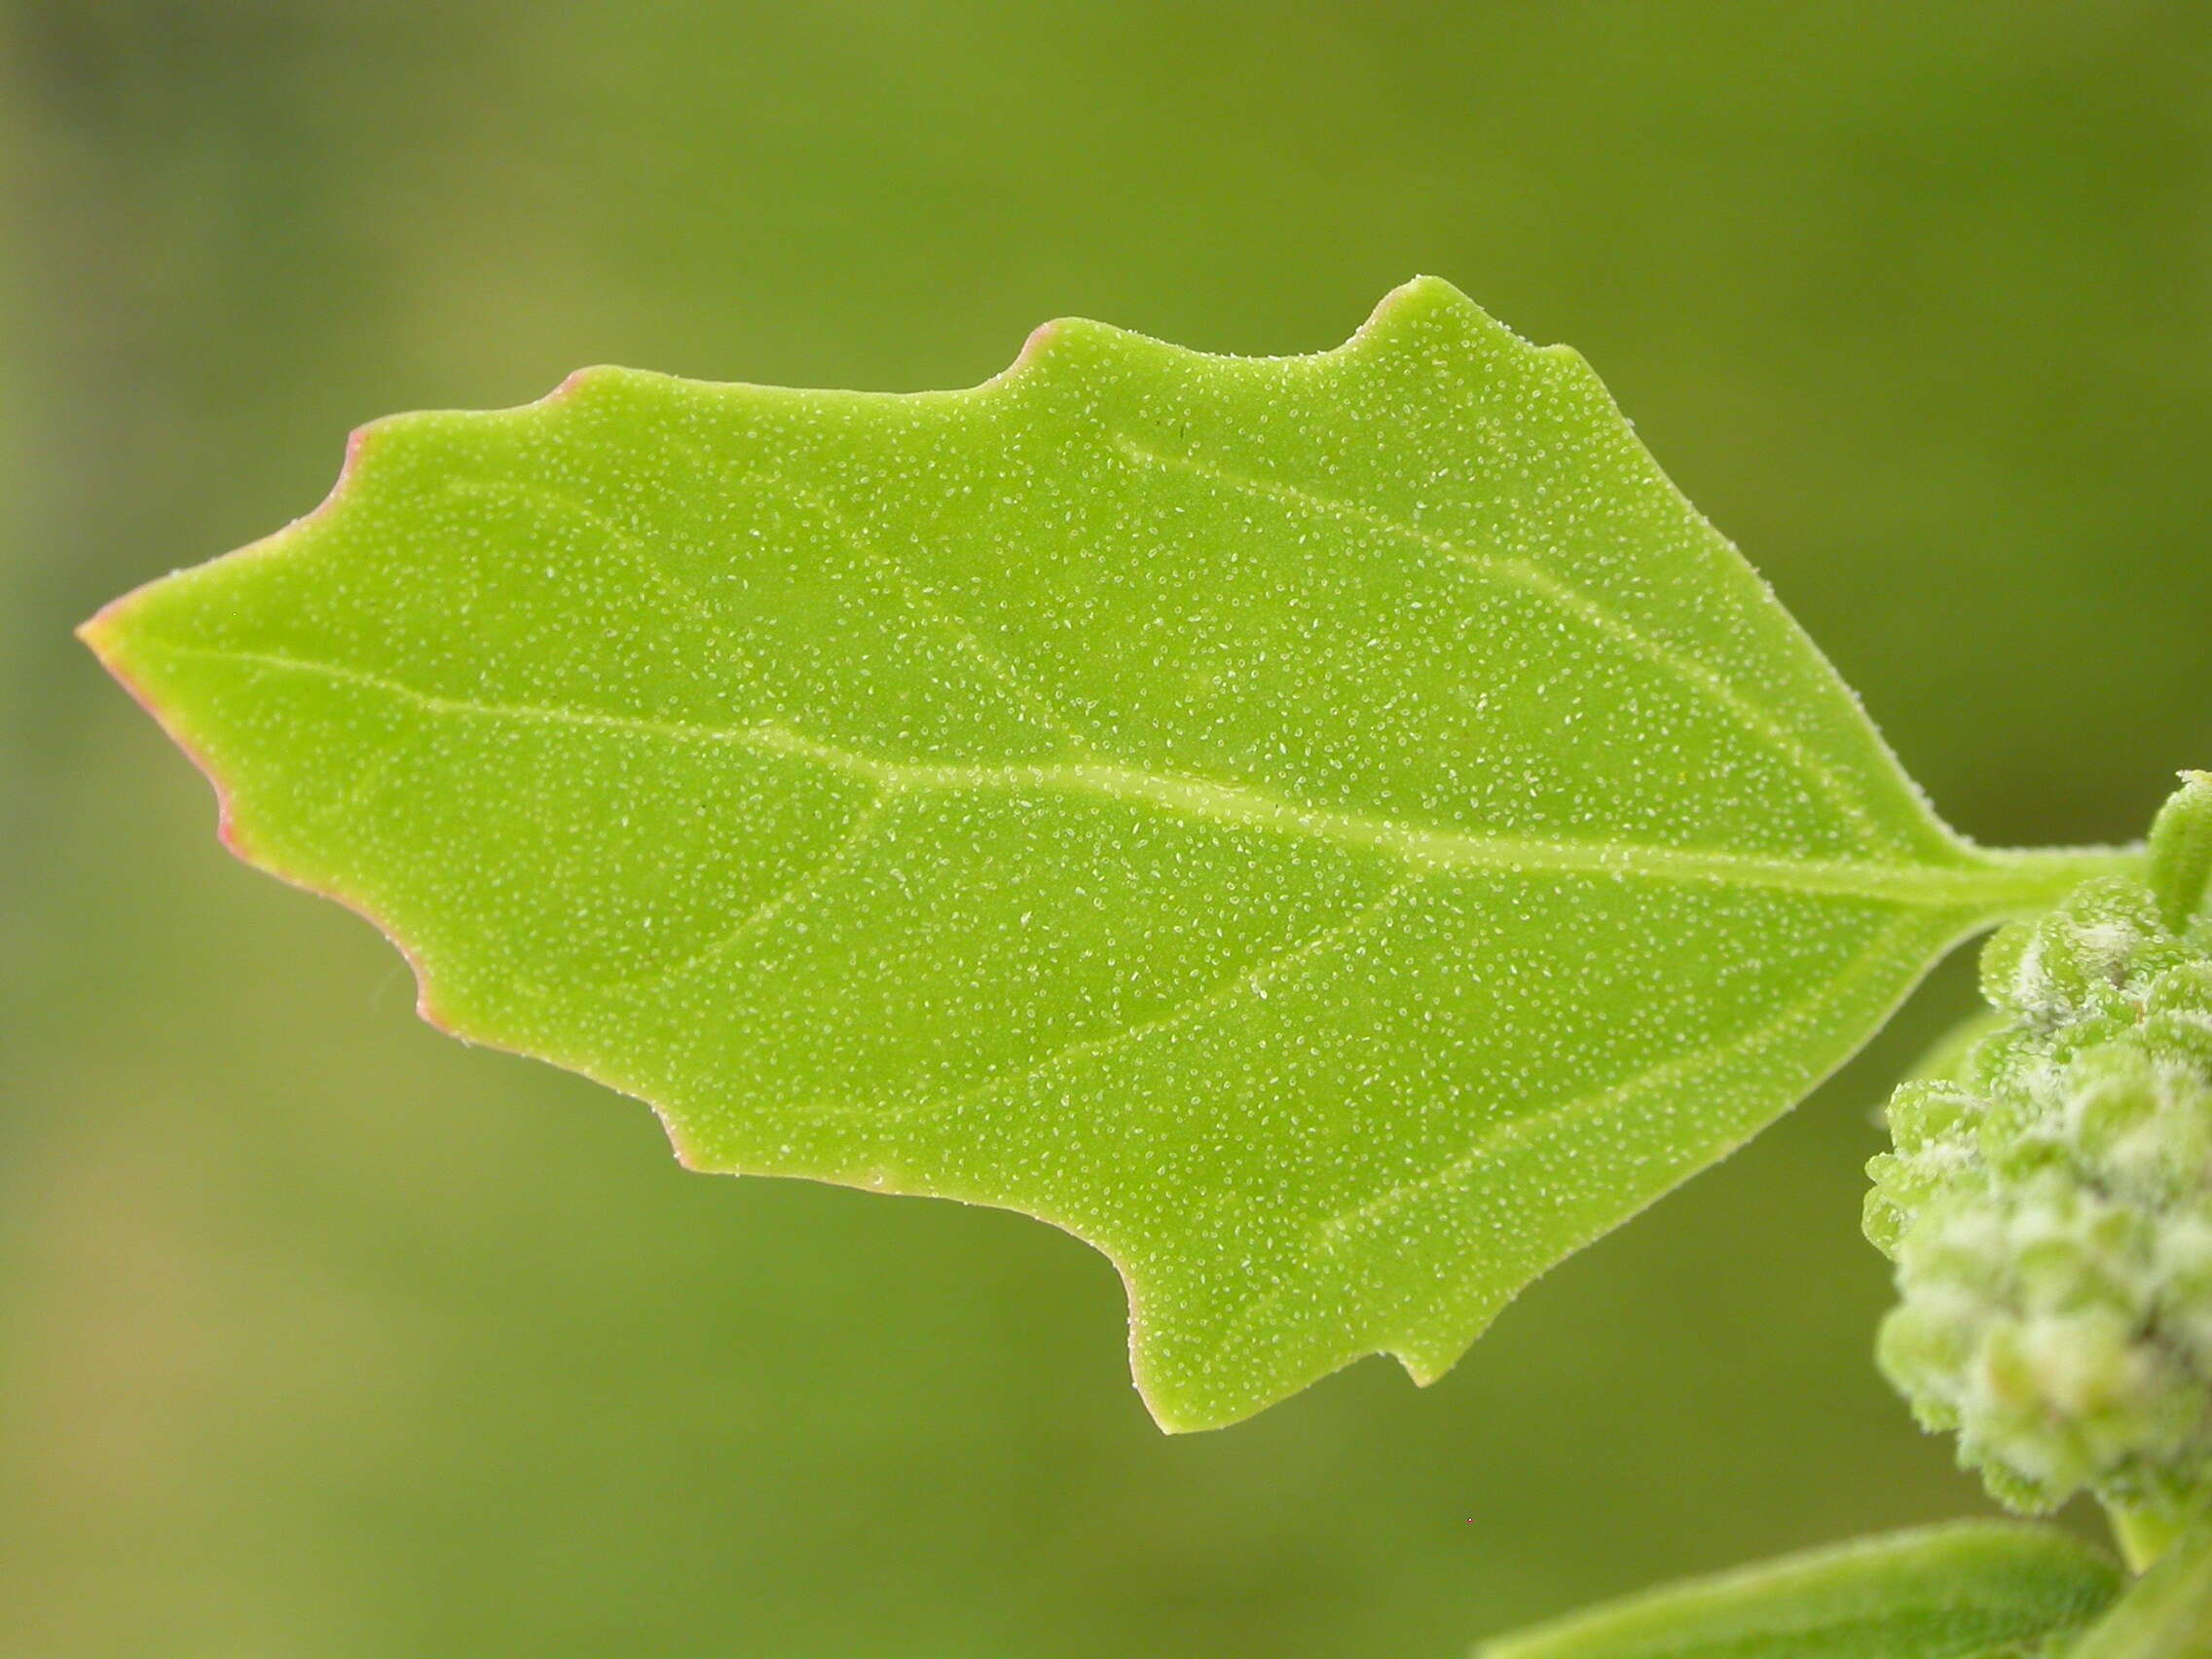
[(1975, 1590)]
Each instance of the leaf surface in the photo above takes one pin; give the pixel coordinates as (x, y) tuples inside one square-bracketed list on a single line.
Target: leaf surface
[(1335, 833), (1973, 1591)]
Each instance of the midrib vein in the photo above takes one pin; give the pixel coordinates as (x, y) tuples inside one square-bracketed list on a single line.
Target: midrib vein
[(2005, 883)]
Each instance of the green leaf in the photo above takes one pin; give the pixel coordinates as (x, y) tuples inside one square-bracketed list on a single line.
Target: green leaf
[(2181, 850), (1335, 833), (2167, 1612), (1979, 1590)]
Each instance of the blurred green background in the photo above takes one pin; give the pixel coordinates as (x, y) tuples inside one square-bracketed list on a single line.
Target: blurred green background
[(322, 1335)]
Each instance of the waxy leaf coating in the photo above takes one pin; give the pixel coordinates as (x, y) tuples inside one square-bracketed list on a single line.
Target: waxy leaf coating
[(1335, 833)]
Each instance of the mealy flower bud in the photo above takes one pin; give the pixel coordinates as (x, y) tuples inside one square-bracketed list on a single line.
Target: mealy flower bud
[(2048, 1204)]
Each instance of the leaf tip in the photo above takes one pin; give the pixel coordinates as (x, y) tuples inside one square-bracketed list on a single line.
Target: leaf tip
[(1421, 288), (1428, 305), (1170, 1414), (1420, 297), (357, 443), (1423, 1371), (690, 1153), (106, 635), (577, 382), (1040, 344), (97, 631)]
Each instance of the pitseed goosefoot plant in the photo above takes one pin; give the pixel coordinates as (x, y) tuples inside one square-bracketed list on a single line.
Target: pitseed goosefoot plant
[(1335, 833)]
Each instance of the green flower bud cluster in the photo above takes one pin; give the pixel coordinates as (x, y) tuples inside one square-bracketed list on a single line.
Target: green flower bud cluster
[(2048, 1204)]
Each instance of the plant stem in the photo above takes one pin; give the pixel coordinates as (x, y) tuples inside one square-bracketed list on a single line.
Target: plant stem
[(2039, 877), (2167, 1613), (2142, 1538)]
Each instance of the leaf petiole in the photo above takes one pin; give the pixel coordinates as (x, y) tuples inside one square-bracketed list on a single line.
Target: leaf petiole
[(2030, 880)]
